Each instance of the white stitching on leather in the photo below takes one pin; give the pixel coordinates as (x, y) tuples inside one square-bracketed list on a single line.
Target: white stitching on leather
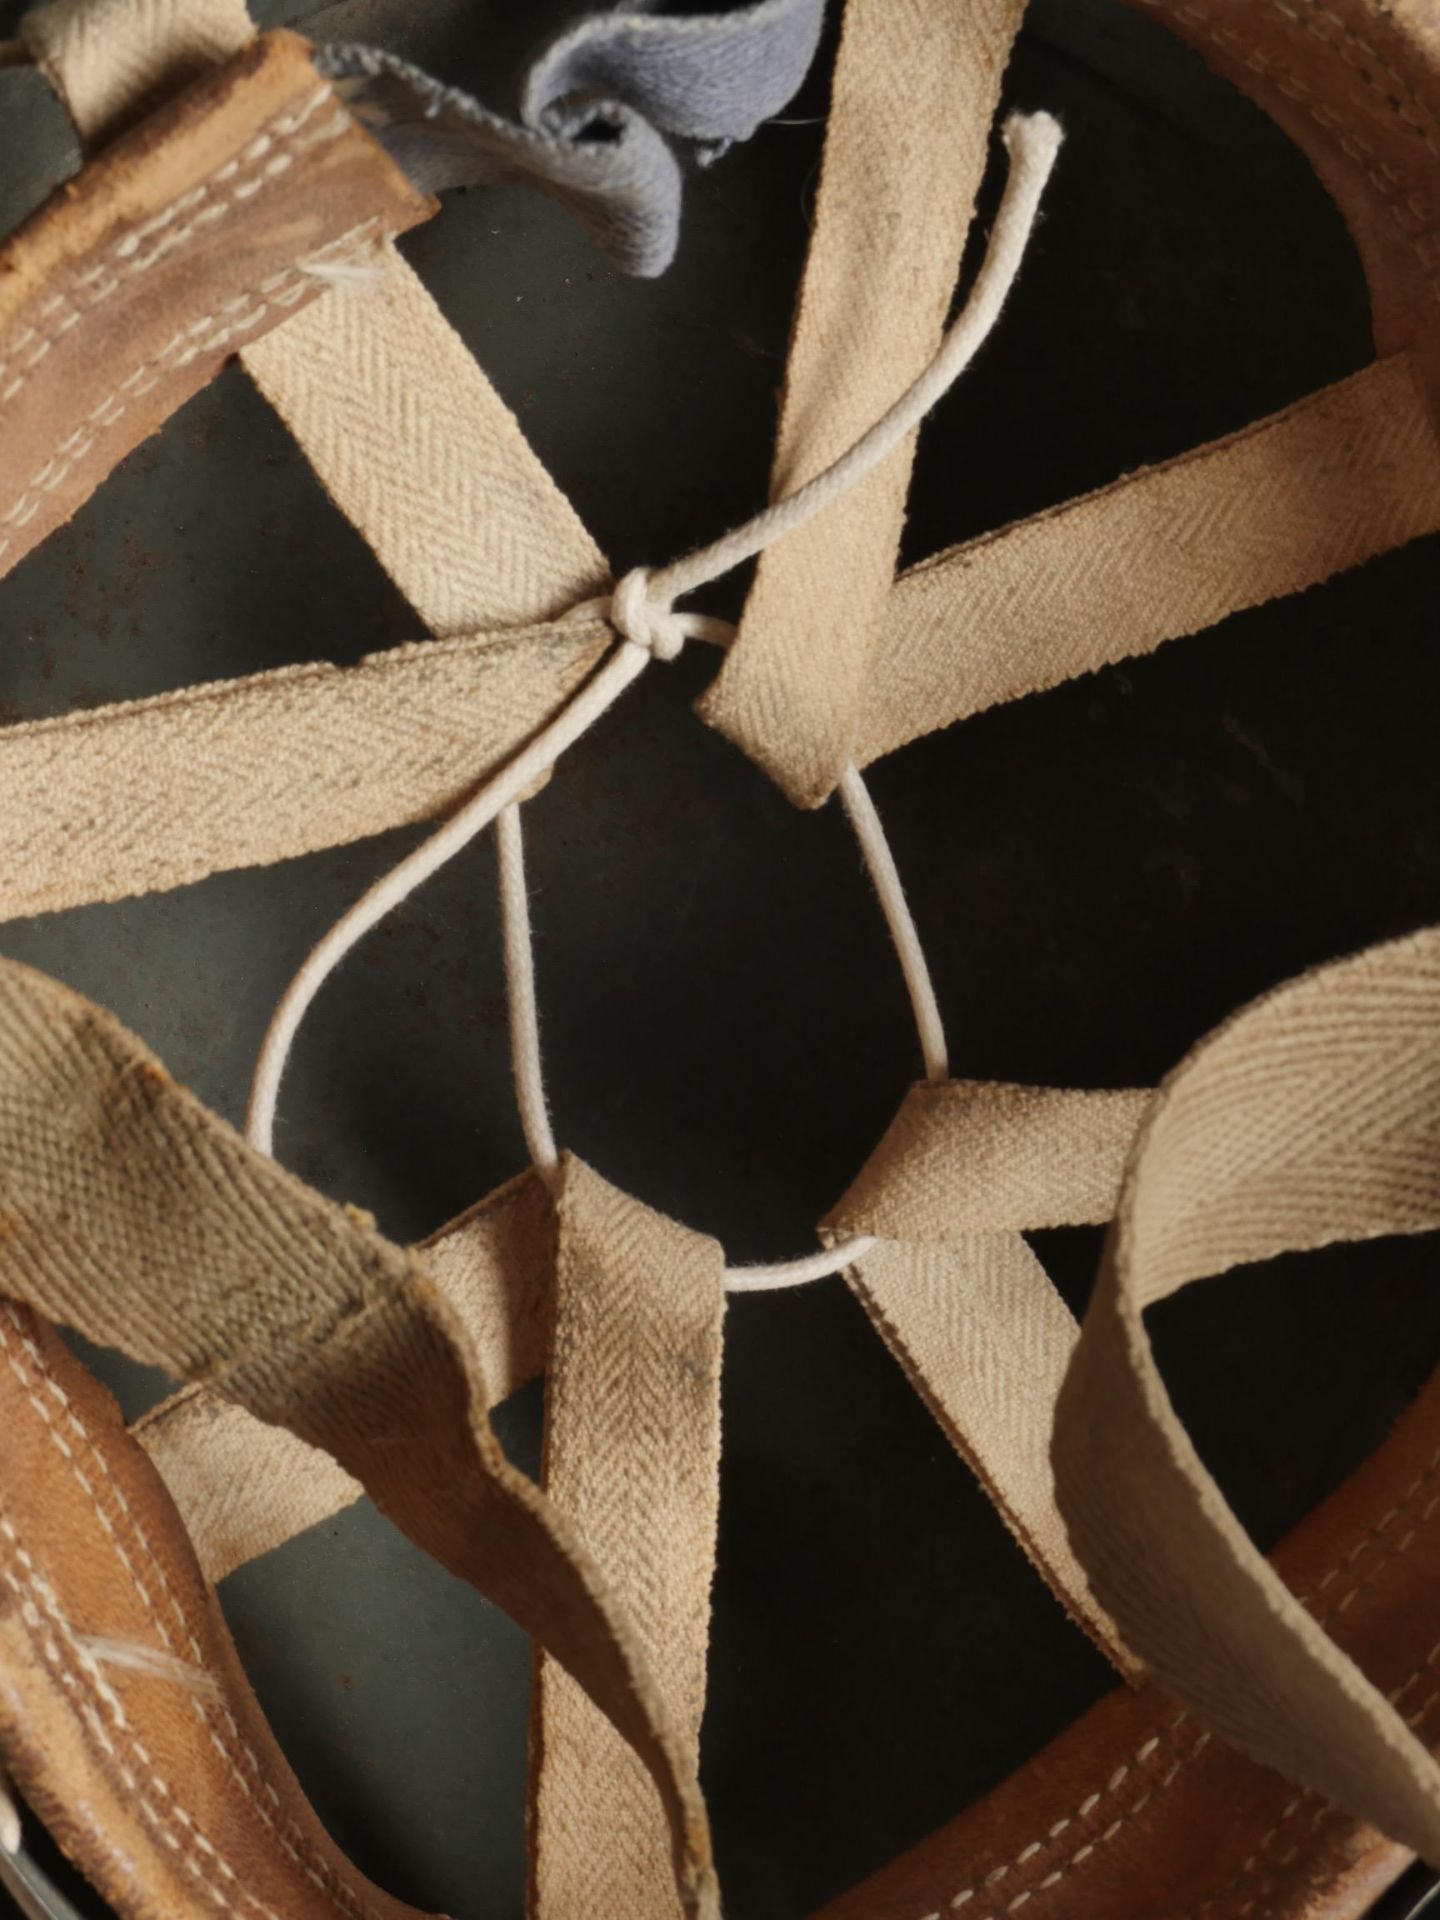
[(1371, 1537), (101, 280), (281, 289), (31, 1586), (1402, 209), (292, 1840)]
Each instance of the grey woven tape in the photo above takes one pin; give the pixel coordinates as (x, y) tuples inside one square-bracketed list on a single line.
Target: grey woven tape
[(598, 104)]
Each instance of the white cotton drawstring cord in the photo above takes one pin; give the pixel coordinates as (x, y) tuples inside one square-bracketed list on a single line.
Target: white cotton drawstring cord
[(885, 877), (520, 993), (509, 784), (642, 611), (530, 1077)]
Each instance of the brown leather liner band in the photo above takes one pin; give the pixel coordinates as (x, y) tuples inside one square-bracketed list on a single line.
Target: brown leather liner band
[(1355, 84), (1133, 1813), (164, 1786), (200, 230)]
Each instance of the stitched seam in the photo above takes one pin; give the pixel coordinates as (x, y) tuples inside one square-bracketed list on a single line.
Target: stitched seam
[(1404, 210), (281, 289), (31, 1587), (293, 1842), (1323, 1811), (125, 260), (1147, 1751)]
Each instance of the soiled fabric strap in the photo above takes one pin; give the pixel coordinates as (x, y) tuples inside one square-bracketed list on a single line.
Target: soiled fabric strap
[(204, 227), (243, 1487), (153, 794), (1341, 476), (632, 1455), (1312, 1117), (711, 77), (141, 1220), (962, 1302), (914, 93)]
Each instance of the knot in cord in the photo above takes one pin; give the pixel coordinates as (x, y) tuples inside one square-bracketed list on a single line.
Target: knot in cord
[(646, 621)]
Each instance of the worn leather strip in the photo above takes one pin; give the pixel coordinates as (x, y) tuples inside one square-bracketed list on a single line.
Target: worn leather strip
[(152, 794), (1310, 1117), (632, 1455), (144, 1222), (416, 447), (201, 229), (914, 93), (1136, 1811), (112, 61), (1354, 84), (1343, 475), (242, 1488), (125, 1714)]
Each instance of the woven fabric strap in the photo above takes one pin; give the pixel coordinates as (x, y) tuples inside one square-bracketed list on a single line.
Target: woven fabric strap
[(632, 1456), (142, 1221), (1341, 476), (914, 94), (111, 60), (1312, 1117), (243, 1488), (962, 1302)]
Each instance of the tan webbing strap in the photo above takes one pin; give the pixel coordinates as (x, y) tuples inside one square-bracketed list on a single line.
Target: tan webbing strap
[(152, 794), (632, 1455), (980, 1156), (111, 60), (416, 447), (138, 1218), (402, 427), (914, 94), (962, 1302), (122, 296), (1312, 1117), (243, 1487), (1329, 483)]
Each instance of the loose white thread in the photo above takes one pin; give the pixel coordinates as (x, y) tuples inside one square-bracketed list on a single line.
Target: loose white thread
[(9, 1817), (643, 613), (138, 1656)]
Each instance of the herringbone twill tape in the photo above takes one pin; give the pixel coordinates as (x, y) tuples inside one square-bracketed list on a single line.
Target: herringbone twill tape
[(1333, 481), (152, 794), (136, 1217), (1312, 1117), (402, 427), (962, 1302), (111, 59), (914, 94), (243, 1487), (632, 1455), (419, 451)]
